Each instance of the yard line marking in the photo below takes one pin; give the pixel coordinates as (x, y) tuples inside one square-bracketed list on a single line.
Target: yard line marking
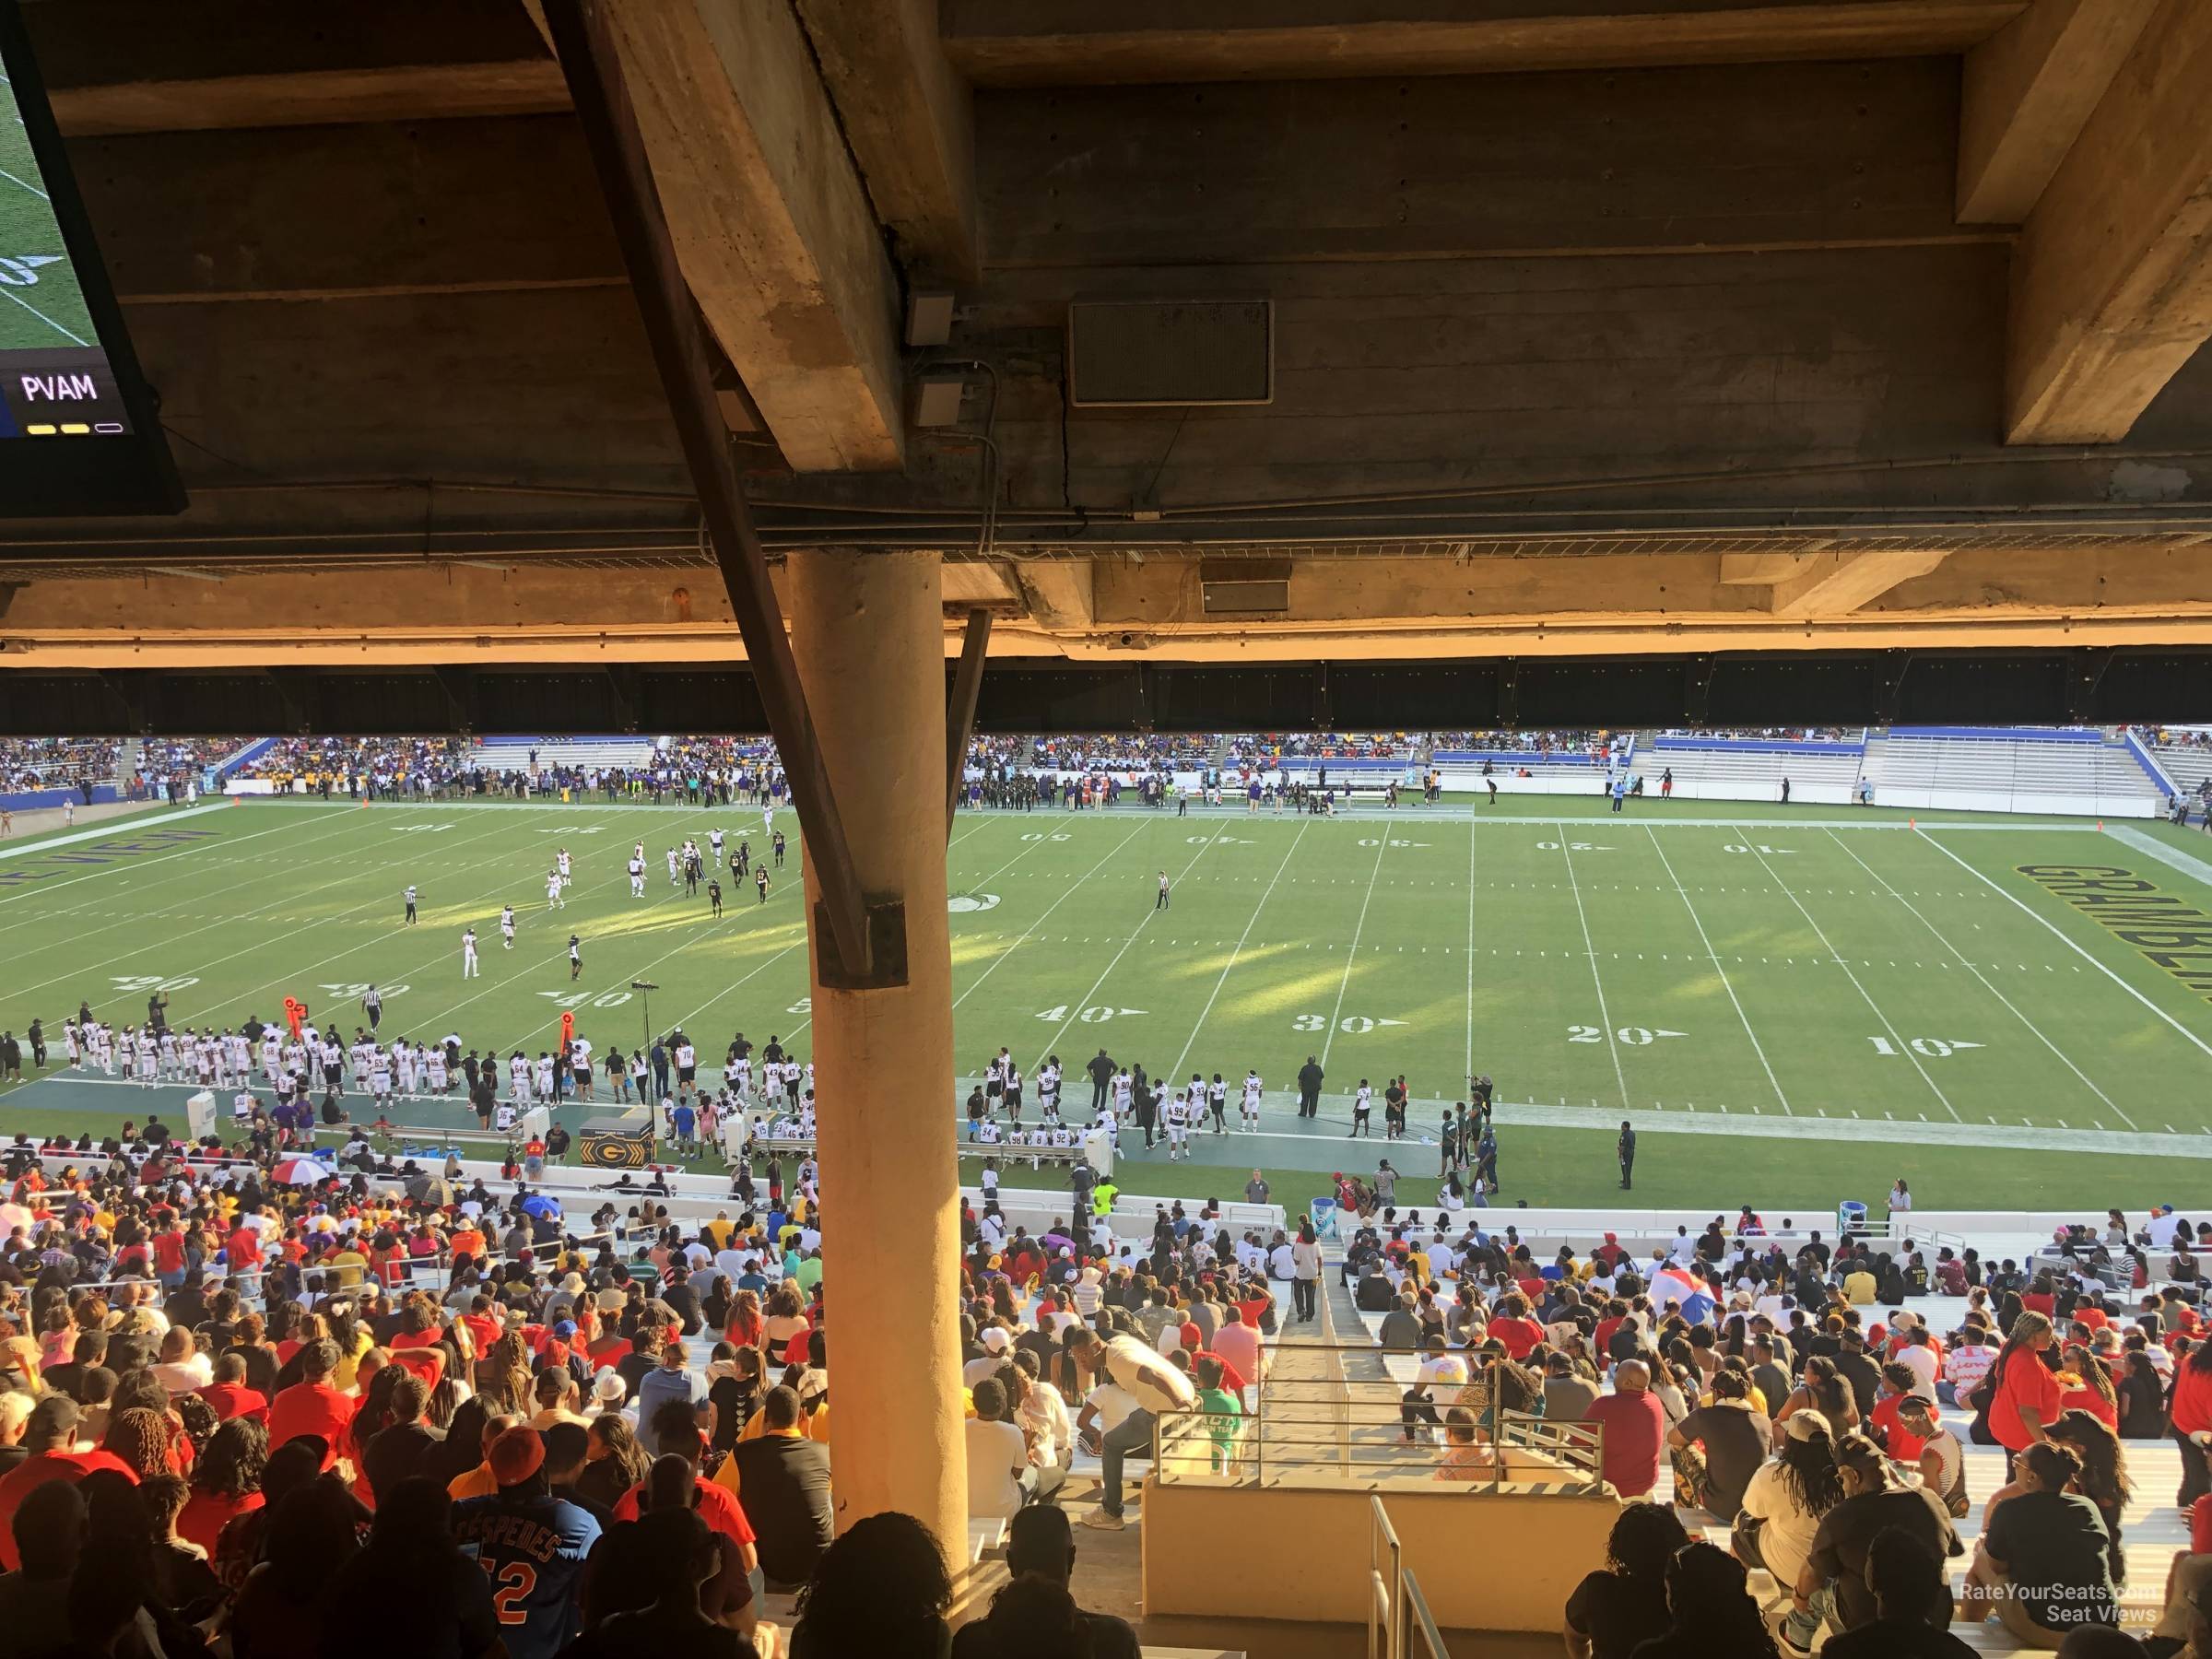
[(41, 316), (1351, 955), (1756, 1047), (32, 188), (1176, 1070), (1026, 932), (1596, 978), (91, 905), (1470, 949), (263, 912), (118, 834), (201, 968), (2040, 1034), (2070, 945), (1077, 1007), (1902, 1047), (297, 974)]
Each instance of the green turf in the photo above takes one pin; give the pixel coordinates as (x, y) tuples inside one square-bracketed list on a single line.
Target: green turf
[(40, 303), (1885, 999)]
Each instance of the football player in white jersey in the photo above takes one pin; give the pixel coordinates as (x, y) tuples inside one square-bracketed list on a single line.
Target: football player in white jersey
[(560, 863), (637, 877), (1177, 1111), (553, 886), (1217, 1103), (469, 968), (1251, 1109), (1048, 1089), (507, 927)]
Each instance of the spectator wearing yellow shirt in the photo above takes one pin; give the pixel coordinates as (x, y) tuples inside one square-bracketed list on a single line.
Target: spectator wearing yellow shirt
[(1859, 1286)]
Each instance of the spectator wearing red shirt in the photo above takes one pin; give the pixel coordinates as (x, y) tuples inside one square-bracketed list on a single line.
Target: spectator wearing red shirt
[(2191, 1418), (229, 1396), (717, 1505), (169, 1257), (2023, 1395), (312, 1405), (1635, 1430), (48, 1434), (1898, 1442), (242, 1255), (1515, 1329)]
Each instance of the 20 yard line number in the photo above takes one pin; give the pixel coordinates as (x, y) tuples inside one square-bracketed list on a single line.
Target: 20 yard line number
[(1634, 1036)]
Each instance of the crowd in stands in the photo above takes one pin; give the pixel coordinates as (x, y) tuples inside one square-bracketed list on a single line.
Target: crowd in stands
[(1767, 734), (242, 1412), (1817, 1421), (1090, 753), (1270, 749), (2190, 738), (56, 762), (360, 765), (1597, 744)]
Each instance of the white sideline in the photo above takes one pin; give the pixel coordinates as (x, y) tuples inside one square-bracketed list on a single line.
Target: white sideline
[(2072, 944)]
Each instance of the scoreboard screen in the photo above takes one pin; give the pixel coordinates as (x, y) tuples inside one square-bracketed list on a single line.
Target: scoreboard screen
[(76, 432)]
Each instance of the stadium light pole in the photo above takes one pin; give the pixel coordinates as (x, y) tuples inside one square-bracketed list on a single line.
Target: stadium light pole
[(645, 988)]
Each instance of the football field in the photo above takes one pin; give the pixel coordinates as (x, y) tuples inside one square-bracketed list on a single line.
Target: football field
[(1793, 1006)]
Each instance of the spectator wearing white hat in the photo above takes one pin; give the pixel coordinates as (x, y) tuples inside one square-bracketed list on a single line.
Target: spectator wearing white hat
[(609, 1393)]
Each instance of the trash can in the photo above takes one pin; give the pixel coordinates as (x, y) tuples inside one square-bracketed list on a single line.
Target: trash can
[(1323, 1212), (1850, 1216)]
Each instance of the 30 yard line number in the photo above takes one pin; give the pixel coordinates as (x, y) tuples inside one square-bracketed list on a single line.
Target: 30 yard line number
[(1351, 1025)]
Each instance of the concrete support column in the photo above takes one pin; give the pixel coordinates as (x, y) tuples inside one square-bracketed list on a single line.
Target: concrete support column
[(869, 633)]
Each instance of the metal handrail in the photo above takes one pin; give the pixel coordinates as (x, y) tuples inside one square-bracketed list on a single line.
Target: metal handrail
[(1385, 1590), (1412, 1602)]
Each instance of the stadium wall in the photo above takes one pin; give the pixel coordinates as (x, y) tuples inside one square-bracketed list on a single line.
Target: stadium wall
[(30, 800)]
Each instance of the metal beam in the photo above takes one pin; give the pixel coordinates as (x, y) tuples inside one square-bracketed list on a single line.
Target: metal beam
[(589, 63), (960, 713)]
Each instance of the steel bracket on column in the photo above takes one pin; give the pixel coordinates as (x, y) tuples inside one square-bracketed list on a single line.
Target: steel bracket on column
[(868, 938), (886, 966), (959, 714)]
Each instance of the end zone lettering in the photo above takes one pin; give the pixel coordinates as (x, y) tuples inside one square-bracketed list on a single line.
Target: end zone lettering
[(43, 866), (2164, 928)]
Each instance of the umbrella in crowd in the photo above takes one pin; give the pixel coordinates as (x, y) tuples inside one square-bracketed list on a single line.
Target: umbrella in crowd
[(537, 1204), (298, 1171), (430, 1189)]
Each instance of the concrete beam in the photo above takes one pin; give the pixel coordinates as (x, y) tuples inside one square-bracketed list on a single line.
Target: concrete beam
[(2111, 283), (911, 122), (772, 223), (2028, 91), (1835, 584), (1075, 43), (1371, 609), (1057, 593), (153, 66), (335, 212), (1850, 155)]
